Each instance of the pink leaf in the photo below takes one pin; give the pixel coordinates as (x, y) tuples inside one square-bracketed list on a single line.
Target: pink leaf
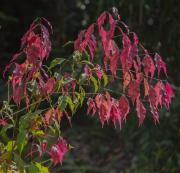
[(99, 71), (158, 88), (87, 71), (103, 112), (141, 111), (148, 65), (134, 91), (91, 106), (153, 104), (18, 94), (3, 122), (58, 151), (160, 64), (115, 113), (124, 106), (167, 95)]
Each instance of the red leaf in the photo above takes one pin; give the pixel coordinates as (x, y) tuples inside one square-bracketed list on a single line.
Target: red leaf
[(109, 103), (113, 64), (135, 38), (58, 114), (99, 72), (126, 80), (124, 106), (3, 122), (48, 116), (167, 95), (148, 66), (153, 104), (169, 90), (103, 109), (79, 40), (18, 74), (87, 70), (125, 58), (24, 38), (98, 100), (50, 85), (139, 75), (146, 87), (47, 88), (160, 64), (141, 111), (106, 36), (134, 91), (112, 53), (126, 41), (158, 88), (46, 40), (115, 113), (42, 147), (91, 106), (18, 94), (58, 151), (101, 19)]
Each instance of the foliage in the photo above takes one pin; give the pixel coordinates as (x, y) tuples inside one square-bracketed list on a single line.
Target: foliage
[(106, 54)]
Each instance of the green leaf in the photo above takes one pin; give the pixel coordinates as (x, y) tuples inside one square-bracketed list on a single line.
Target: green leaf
[(83, 78), (71, 104), (23, 125), (95, 83), (62, 103), (82, 94), (10, 145), (21, 140), (41, 168), (77, 56), (38, 133), (87, 62), (33, 169), (64, 82), (70, 146), (56, 62), (105, 79), (3, 132), (20, 163)]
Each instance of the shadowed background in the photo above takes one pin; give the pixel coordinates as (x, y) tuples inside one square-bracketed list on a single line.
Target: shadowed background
[(108, 150)]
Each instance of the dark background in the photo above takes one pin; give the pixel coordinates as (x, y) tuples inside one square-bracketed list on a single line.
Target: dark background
[(108, 150)]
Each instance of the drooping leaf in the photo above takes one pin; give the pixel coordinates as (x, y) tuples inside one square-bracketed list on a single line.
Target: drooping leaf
[(99, 72), (160, 64), (103, 108), (91, 106), (134, 91), (148, 65), (126, 80), (167, 95), (95, 83), (116, 113), (146, 87), (42, 169), (70, 103), (158, 88), (56, 62), (62, 103), (124, 106), (58, 151), (18, 94), (152, 97), (141, 111)]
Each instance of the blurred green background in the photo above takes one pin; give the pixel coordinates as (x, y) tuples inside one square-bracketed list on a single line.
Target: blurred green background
[(149, 149)]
